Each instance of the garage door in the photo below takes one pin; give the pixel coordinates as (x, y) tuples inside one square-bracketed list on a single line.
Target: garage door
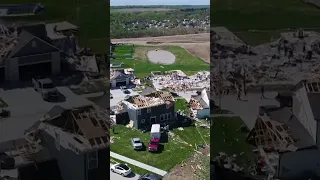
[(2, 75), (27, 72), (124, 83)]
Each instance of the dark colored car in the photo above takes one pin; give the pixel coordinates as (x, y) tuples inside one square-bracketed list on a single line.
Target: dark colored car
[(126, 91), (149, 177)]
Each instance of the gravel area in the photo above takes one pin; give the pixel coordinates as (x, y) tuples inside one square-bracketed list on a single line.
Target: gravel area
[(161, 57)]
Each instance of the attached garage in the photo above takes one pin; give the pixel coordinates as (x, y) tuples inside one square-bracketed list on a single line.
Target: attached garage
[(27, 72), (123, 83)]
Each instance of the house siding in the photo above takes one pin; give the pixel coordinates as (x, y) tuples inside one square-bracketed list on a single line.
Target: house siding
[(101, 172), (296, 164), (156, 112), (71, 165)]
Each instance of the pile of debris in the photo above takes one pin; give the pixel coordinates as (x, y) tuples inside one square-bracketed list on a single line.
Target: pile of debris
[(228, 162), (285, 61), (180, 82)]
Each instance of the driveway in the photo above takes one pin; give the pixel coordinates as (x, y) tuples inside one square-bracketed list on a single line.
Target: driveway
[(248, 108), (118, 96), (27, 107), (115, 176)]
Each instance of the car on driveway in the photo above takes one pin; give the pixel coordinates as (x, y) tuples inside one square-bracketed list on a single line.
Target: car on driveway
[(149, 177), (126, 91), (45, 87), (121, 169), (136, 143)]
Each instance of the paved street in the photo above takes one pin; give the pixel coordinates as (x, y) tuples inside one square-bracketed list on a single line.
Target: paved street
[(114, 176)]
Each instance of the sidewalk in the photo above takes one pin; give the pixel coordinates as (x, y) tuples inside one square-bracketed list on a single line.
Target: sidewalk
[(138, 164)]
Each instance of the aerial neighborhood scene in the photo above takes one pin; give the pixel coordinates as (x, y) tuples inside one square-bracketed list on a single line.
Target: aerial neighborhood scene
[(54, 122), (265, 88), (160, 92)]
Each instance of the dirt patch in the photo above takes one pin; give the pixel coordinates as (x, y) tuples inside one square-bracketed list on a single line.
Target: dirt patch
[(196, 44), (196, 167)]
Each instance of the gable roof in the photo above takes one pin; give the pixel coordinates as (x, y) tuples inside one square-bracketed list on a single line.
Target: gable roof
[(119, 75), (24, 39), (148, 91)]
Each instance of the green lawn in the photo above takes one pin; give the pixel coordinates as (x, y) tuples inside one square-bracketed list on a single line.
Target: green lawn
[(92, 18), (181, 104), (174, 152), (226, 137), (184, 61), (273, 15)]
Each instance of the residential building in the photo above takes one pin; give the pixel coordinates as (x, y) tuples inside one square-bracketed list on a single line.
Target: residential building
[(119, 78), (200, 104), (20, 9), (77, 139), (154, 108)]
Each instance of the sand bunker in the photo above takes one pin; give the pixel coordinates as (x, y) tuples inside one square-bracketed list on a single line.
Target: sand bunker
[(161, 57)]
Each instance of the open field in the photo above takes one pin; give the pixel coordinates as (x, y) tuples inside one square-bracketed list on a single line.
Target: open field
[(178, 148), (91, 19), (184, 61), (227, 138), (272, 17), (196, 44)]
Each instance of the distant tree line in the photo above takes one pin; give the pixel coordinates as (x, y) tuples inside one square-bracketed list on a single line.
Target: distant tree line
[(120, 20)]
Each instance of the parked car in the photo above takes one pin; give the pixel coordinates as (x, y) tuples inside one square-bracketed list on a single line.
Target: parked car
[(121, 169), (136, 143), (126, 91), (153, 145), (149, 177), (45, 87)]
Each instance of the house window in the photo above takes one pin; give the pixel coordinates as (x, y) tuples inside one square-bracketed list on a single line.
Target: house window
[(167, 106), (139, 112), (92, 160), (57, 140), (143, 121), (166, 116), (169, 116), (148, 110), (34, 44)]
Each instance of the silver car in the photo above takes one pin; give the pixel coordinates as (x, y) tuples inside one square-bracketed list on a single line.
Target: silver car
[(136, 143)]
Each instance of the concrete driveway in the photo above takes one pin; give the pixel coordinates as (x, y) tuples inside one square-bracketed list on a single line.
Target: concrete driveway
[(27, 106), (118, 96)]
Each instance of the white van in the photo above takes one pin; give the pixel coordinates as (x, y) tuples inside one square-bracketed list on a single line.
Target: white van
[(155, 131)]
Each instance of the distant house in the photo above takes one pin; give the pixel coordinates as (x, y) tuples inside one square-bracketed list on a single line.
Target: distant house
[(154, 108), (201, 104), (119, 78), (78, 139), (20, 9)]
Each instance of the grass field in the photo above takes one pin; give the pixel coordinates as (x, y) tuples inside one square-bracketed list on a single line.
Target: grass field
[(272, 15), (226, 137), (92, 18), (181, 104), (184, 61), (174, 151)]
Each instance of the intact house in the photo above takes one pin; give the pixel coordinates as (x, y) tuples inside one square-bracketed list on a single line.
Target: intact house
[(120, 77), (200, 104), (154, 108), (77, 138), (292, 130), (28, 54)]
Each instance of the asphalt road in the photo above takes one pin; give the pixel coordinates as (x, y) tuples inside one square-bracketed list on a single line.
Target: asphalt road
[(115, 176)]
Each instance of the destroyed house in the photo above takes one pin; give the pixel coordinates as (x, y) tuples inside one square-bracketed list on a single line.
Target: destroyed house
[(153, 108), (22, 52), (201, 103), (225, 40), (78, 139)]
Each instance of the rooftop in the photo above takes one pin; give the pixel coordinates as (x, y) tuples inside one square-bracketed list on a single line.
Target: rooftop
[(153, 99)]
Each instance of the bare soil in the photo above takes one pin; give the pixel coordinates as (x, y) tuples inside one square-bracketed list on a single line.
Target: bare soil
[(196, 44), (189, 170)]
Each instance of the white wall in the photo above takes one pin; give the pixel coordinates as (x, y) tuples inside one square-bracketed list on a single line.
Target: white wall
[(302, 110), (294, 164)]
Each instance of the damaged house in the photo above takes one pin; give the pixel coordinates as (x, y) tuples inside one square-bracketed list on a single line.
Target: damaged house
[(120, 78), (77, 138), (154, 108), (200, 104), (292, 132)]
